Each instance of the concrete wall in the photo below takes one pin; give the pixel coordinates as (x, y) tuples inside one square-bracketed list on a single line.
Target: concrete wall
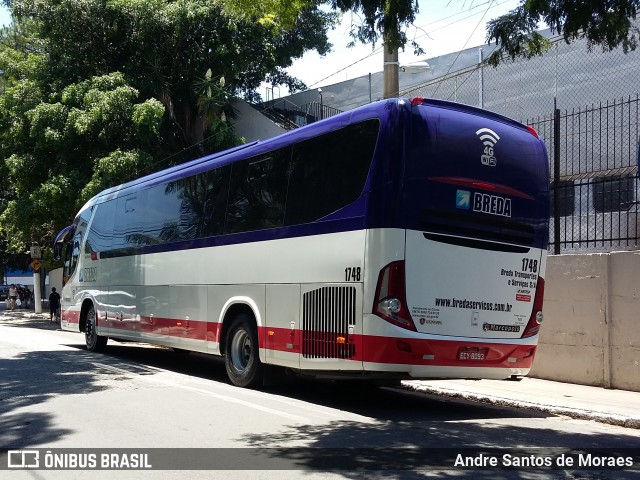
[(591, 329), (251, 124)]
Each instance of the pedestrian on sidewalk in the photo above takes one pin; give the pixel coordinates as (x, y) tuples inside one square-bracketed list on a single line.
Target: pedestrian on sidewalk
[(54, 304), (13, 296)]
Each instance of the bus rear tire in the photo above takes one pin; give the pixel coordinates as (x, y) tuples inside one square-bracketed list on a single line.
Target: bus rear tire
[(93, 341), (242, 357)]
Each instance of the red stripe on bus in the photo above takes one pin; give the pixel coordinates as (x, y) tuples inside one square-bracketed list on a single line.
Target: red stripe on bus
[(481, 185), (411, 351), (408, 351), (366, 348)]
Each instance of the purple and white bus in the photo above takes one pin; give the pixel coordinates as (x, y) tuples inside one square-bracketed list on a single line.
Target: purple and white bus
[(404, 239)]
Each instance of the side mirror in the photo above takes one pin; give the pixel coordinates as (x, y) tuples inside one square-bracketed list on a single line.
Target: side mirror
[(57, 250)]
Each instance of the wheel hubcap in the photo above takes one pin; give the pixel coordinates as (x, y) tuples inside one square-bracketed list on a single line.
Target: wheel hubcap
[(90, 328), (240, 351)]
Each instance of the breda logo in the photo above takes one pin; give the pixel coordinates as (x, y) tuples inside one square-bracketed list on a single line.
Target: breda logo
[(463, 199), (489, 139), (491, 204)]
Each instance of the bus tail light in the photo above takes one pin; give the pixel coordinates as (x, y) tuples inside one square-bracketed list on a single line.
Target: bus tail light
[(390, 301), (533, 327)]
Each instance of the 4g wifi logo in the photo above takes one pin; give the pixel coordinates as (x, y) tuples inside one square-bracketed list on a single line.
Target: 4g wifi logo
[(489, 139)]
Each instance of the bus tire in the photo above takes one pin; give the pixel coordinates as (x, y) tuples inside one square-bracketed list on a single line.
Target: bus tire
[(94, 342), (242, 357)]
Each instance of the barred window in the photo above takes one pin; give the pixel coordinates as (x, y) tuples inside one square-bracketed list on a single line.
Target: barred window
[(613, 193), (566, 198)]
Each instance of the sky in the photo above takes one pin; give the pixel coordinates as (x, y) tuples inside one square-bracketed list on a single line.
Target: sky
[(441, 27)]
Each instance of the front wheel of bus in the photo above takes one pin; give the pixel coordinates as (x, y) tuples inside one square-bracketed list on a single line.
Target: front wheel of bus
[(94, 342), (241, 353)]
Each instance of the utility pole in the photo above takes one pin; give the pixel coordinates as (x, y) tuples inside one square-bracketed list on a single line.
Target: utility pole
[(36, 264), (391, 73)]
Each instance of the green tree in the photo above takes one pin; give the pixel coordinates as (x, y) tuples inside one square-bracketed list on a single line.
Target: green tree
[(97, 92), (383, 20), (176, 52), (609, 24), (54, 143)]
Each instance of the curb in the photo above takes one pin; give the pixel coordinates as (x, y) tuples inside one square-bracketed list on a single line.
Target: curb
[(577, 413)]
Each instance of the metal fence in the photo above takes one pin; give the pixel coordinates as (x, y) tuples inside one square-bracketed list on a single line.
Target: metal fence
[(296, 115), (593, 155), (572, 74)]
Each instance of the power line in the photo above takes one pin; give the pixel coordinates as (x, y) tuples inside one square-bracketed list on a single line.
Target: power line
[(491, 4), (344, 68), (464, 46)]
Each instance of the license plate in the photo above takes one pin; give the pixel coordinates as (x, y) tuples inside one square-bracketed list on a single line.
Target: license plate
[(473, 354)]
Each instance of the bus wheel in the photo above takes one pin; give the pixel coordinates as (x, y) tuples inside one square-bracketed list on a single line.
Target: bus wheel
[(94, 342), (241, 353)]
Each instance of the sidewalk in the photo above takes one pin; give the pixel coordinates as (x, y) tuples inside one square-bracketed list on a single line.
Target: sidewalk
[(27, 316), (615, 407)]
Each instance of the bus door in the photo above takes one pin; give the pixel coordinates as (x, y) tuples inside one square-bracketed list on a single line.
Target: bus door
[(67, 307)]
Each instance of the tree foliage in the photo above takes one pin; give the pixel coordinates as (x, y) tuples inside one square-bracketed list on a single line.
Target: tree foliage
[(608, 23), (52, 144), (383, 20), (601, 22), (97, 92)]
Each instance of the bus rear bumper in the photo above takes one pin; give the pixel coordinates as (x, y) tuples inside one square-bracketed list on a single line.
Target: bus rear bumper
[(426, 358), (431, 372)]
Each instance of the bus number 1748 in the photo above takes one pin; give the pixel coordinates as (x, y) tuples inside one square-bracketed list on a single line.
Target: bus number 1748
[(352, 274)]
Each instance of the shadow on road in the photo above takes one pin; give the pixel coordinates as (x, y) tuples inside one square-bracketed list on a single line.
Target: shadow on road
[(399, 422)]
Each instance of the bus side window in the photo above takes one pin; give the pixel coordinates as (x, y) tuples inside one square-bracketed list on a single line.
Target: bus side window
[(258, 192), (71, 256), (75, 252), (186, 209), (67, 260), (130, 213), (74, 248), (329, 171), (163, 216), (100, 235)]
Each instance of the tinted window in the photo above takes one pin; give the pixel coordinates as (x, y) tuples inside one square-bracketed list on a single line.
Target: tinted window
[(99, 237), (326, 173), (566, 198), (130, 213), (163, 214), (186, 209), (258, 192), (613, 194), (329, 171)]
